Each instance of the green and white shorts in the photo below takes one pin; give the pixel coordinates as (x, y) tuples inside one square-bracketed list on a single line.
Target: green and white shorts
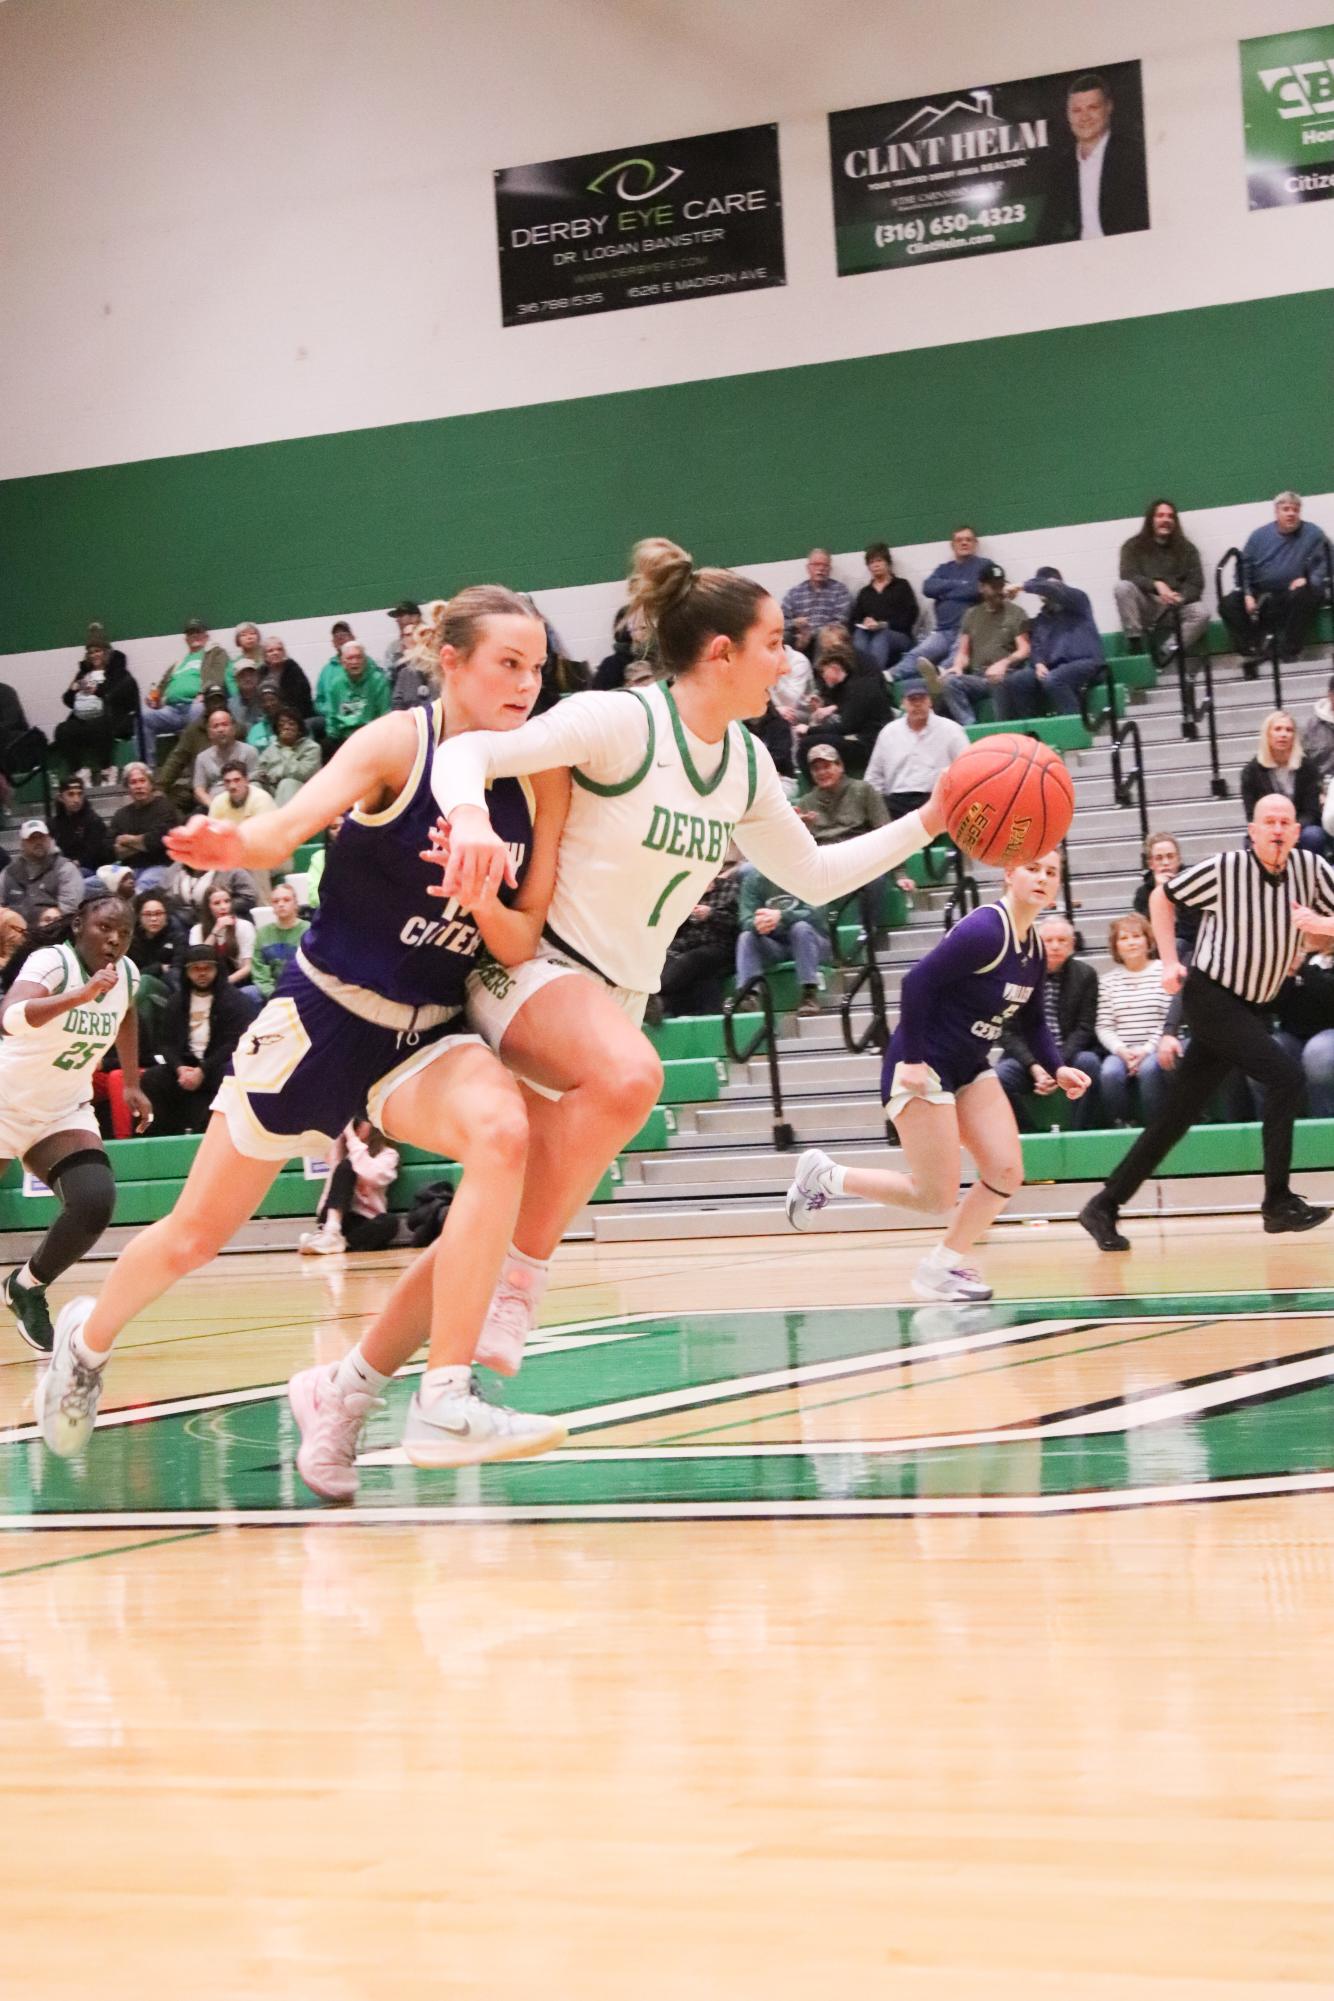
[(495, 993)]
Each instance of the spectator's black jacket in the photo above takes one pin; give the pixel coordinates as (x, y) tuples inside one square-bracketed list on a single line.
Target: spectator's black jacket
[(1305, 1003), (776, 736), (229, 1019), (119, 692), (152, 818), (1188, 919), (1076, 1015), (1257, 782), (82, 837)]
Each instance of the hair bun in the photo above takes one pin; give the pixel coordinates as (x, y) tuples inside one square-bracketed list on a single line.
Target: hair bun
[(661, 575)]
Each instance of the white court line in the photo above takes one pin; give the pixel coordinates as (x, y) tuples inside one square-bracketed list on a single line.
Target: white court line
[(1095, 1500)]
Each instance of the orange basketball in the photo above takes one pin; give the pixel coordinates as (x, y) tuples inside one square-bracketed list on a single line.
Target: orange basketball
[(1008, 799)]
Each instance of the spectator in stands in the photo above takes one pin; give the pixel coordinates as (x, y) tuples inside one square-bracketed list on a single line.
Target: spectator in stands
[(1305, 1016), (1280, 765), (1318, 735), (357, 693), (224, 747), (238, 799), (1066, 650), (837, 807), (1161, 572), (103, 704), (775, 925), (1162, 860), (231, 936), (264, 732), (22, 747), (354, 1209), (852, 704), (776, 735), (407, 616), (177, 698), (1284, 579), (249, 649), (631, 661), (793, 693), (1070, 1002), (289, 760), (911, 752), (39, 876), (315, 873), (78, 830), (818, 600), (137, 828), (245, 707), (276, 942), (160, 938), (197, 1034), (1132, 1015), (884, 612), (176, 773), (993, 643), (13, 943), (186, 889), (703, 951), (952, 587), (279, 666)]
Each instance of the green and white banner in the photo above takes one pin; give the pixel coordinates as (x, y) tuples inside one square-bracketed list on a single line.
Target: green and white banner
[(1287, 95)]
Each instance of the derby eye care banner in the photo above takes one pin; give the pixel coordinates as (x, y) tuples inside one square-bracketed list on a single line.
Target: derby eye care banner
[(1002, 166), (640, 227)]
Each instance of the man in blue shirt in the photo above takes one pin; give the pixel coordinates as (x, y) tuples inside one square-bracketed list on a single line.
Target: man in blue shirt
[(953, 587), (1065, 648), (1284, 580)]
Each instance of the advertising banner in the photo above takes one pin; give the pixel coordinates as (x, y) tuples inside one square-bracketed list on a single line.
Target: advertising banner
[(1287, 97), (640, 227), (1046, 159)]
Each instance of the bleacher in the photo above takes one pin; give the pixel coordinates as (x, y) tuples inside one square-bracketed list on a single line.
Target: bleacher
[(705, 1162)]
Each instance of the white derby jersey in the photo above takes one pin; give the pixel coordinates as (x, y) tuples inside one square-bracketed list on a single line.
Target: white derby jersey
[(50, 1070), (653, 809)]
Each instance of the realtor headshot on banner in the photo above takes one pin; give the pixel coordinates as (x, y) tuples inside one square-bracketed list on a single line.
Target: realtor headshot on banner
[(1044, 159)]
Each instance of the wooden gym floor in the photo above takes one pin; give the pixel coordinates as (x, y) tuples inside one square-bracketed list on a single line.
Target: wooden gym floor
[(849, 1646)]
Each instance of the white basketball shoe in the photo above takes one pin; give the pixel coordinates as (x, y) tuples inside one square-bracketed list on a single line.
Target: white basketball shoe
[(68, 1392), (943, 1274), (510, 1318), (810, 1190), (330, 1424), (459, 1428)]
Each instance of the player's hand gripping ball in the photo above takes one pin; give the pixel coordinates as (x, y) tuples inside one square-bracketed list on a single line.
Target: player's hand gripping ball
[(1008, 799)]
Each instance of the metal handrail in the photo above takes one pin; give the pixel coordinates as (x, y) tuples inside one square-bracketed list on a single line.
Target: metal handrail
[(1124, 733), (966, 895), (1233, 556), (877, 1029), (766, 1039)]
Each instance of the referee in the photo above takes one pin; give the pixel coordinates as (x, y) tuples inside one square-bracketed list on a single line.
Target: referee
[(1254, 902)]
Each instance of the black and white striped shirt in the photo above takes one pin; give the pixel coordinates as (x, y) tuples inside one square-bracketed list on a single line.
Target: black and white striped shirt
[(1248, 940)]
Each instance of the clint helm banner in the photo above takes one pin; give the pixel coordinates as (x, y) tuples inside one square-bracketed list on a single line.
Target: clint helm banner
[(1001, 166), (640, 227), (1287, 95)]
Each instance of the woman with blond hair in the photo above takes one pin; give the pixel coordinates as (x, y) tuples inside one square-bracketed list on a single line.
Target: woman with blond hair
[(1280, 765), (1132, 1015)]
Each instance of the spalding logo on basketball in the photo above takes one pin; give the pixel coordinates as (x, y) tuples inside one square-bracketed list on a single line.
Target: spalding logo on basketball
[(1008, 799)]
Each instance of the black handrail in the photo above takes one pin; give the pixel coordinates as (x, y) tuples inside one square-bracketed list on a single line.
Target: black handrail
[(1067, 888), (877, 1028), (966, 895), (766, 1039), (1271, 653), (1125, 734)]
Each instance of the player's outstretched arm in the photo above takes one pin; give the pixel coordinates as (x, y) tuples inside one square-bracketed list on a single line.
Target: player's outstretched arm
[(372, 764), (781, 846)]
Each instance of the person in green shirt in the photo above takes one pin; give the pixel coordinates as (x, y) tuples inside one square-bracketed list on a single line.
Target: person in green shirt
[(178, 697), (356, 693), (276, 943)]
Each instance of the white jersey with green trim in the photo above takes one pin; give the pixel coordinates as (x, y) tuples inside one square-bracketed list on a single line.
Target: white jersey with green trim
[(652, 811), (50, 1070)]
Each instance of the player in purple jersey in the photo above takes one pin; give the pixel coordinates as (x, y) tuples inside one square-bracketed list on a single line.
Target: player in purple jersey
[(368, 1021), (939, 1088)]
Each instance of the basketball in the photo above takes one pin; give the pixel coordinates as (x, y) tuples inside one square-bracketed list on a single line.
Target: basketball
[(1008, 799)]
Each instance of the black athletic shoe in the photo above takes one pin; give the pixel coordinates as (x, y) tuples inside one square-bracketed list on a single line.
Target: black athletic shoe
[(28, 1305), (1294, 1214), (1099, 1218)]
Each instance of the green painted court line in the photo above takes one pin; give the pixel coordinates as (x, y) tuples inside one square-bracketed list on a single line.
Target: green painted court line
[(96, 1555)]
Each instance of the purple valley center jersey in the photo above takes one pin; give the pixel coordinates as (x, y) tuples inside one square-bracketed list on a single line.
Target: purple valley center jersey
[(376, 926), (958, 999)]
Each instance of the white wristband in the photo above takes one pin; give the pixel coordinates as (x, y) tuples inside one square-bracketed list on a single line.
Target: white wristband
[(16, 1020)]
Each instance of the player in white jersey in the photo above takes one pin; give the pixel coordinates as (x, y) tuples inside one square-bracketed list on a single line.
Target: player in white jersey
[(69, 1004), (664, 778)]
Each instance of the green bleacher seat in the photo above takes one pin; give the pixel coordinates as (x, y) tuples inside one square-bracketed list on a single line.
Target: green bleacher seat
[(689, 1035), (1061, 732)]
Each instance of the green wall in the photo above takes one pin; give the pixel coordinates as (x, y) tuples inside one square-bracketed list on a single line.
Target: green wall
[(1078, 424)]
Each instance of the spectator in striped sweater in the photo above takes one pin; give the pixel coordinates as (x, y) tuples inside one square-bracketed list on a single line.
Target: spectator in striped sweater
[(1132, 1013)]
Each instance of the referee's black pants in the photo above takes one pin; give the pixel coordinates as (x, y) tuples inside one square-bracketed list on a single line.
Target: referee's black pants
[(1225, 1034)]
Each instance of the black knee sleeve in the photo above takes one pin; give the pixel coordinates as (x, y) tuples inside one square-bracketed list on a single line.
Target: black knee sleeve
[(87, 1191)]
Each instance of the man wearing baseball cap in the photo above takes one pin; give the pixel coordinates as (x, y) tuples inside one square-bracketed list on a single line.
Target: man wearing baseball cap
[(178, 697), (993, 643), (39, 876)]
